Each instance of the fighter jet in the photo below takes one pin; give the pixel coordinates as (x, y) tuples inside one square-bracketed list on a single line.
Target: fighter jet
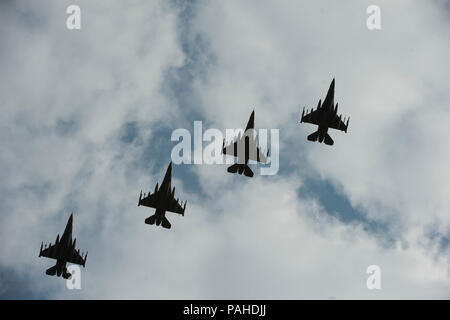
[(63, 251), (162, 199), (245, 148), (325, 116)]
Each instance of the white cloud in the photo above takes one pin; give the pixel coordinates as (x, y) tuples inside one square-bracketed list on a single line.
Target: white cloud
[(66, 96), (236, 247), (391, 82)]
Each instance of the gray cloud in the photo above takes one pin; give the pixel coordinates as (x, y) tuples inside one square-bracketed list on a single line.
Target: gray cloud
[(84, 114)]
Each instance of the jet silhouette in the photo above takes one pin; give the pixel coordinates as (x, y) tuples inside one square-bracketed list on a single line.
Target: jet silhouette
[(325, 116), (63, 251), (245, 148), (162, 199)]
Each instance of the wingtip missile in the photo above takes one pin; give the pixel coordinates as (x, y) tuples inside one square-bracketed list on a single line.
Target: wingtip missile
[(303, 114), (140, 198), (40, 251), (346, 126)]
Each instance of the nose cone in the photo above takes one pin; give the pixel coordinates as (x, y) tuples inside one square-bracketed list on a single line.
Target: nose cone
[(167, 177), (251, 121), (68, 229)]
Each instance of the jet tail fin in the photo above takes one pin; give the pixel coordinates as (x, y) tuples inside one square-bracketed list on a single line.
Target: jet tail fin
[(328, 140), (313, 136), (241, 168), (151, 220)]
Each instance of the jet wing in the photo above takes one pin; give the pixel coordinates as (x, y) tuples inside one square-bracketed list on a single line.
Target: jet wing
[(174, 205), (148, 201), (311, 117), (260, 156), (50, 252), (76, 258), (338, 124), (232, 150)]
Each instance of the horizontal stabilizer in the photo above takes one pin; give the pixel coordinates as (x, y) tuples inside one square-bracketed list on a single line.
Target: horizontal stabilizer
[(328, 140), (151, 220), (248, 172), (51, 271), (313, 136), (66, 275), (234, 168), (165, 223)]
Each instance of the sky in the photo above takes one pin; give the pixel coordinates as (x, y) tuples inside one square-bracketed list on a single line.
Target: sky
[(87, 118)]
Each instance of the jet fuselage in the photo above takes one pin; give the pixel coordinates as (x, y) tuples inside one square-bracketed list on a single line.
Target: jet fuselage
[(65, 248), (162, 196)]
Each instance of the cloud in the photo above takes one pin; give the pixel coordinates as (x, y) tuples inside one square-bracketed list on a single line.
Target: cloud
[(85, 115), (234, 247), (65, 96), (390, 82)]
